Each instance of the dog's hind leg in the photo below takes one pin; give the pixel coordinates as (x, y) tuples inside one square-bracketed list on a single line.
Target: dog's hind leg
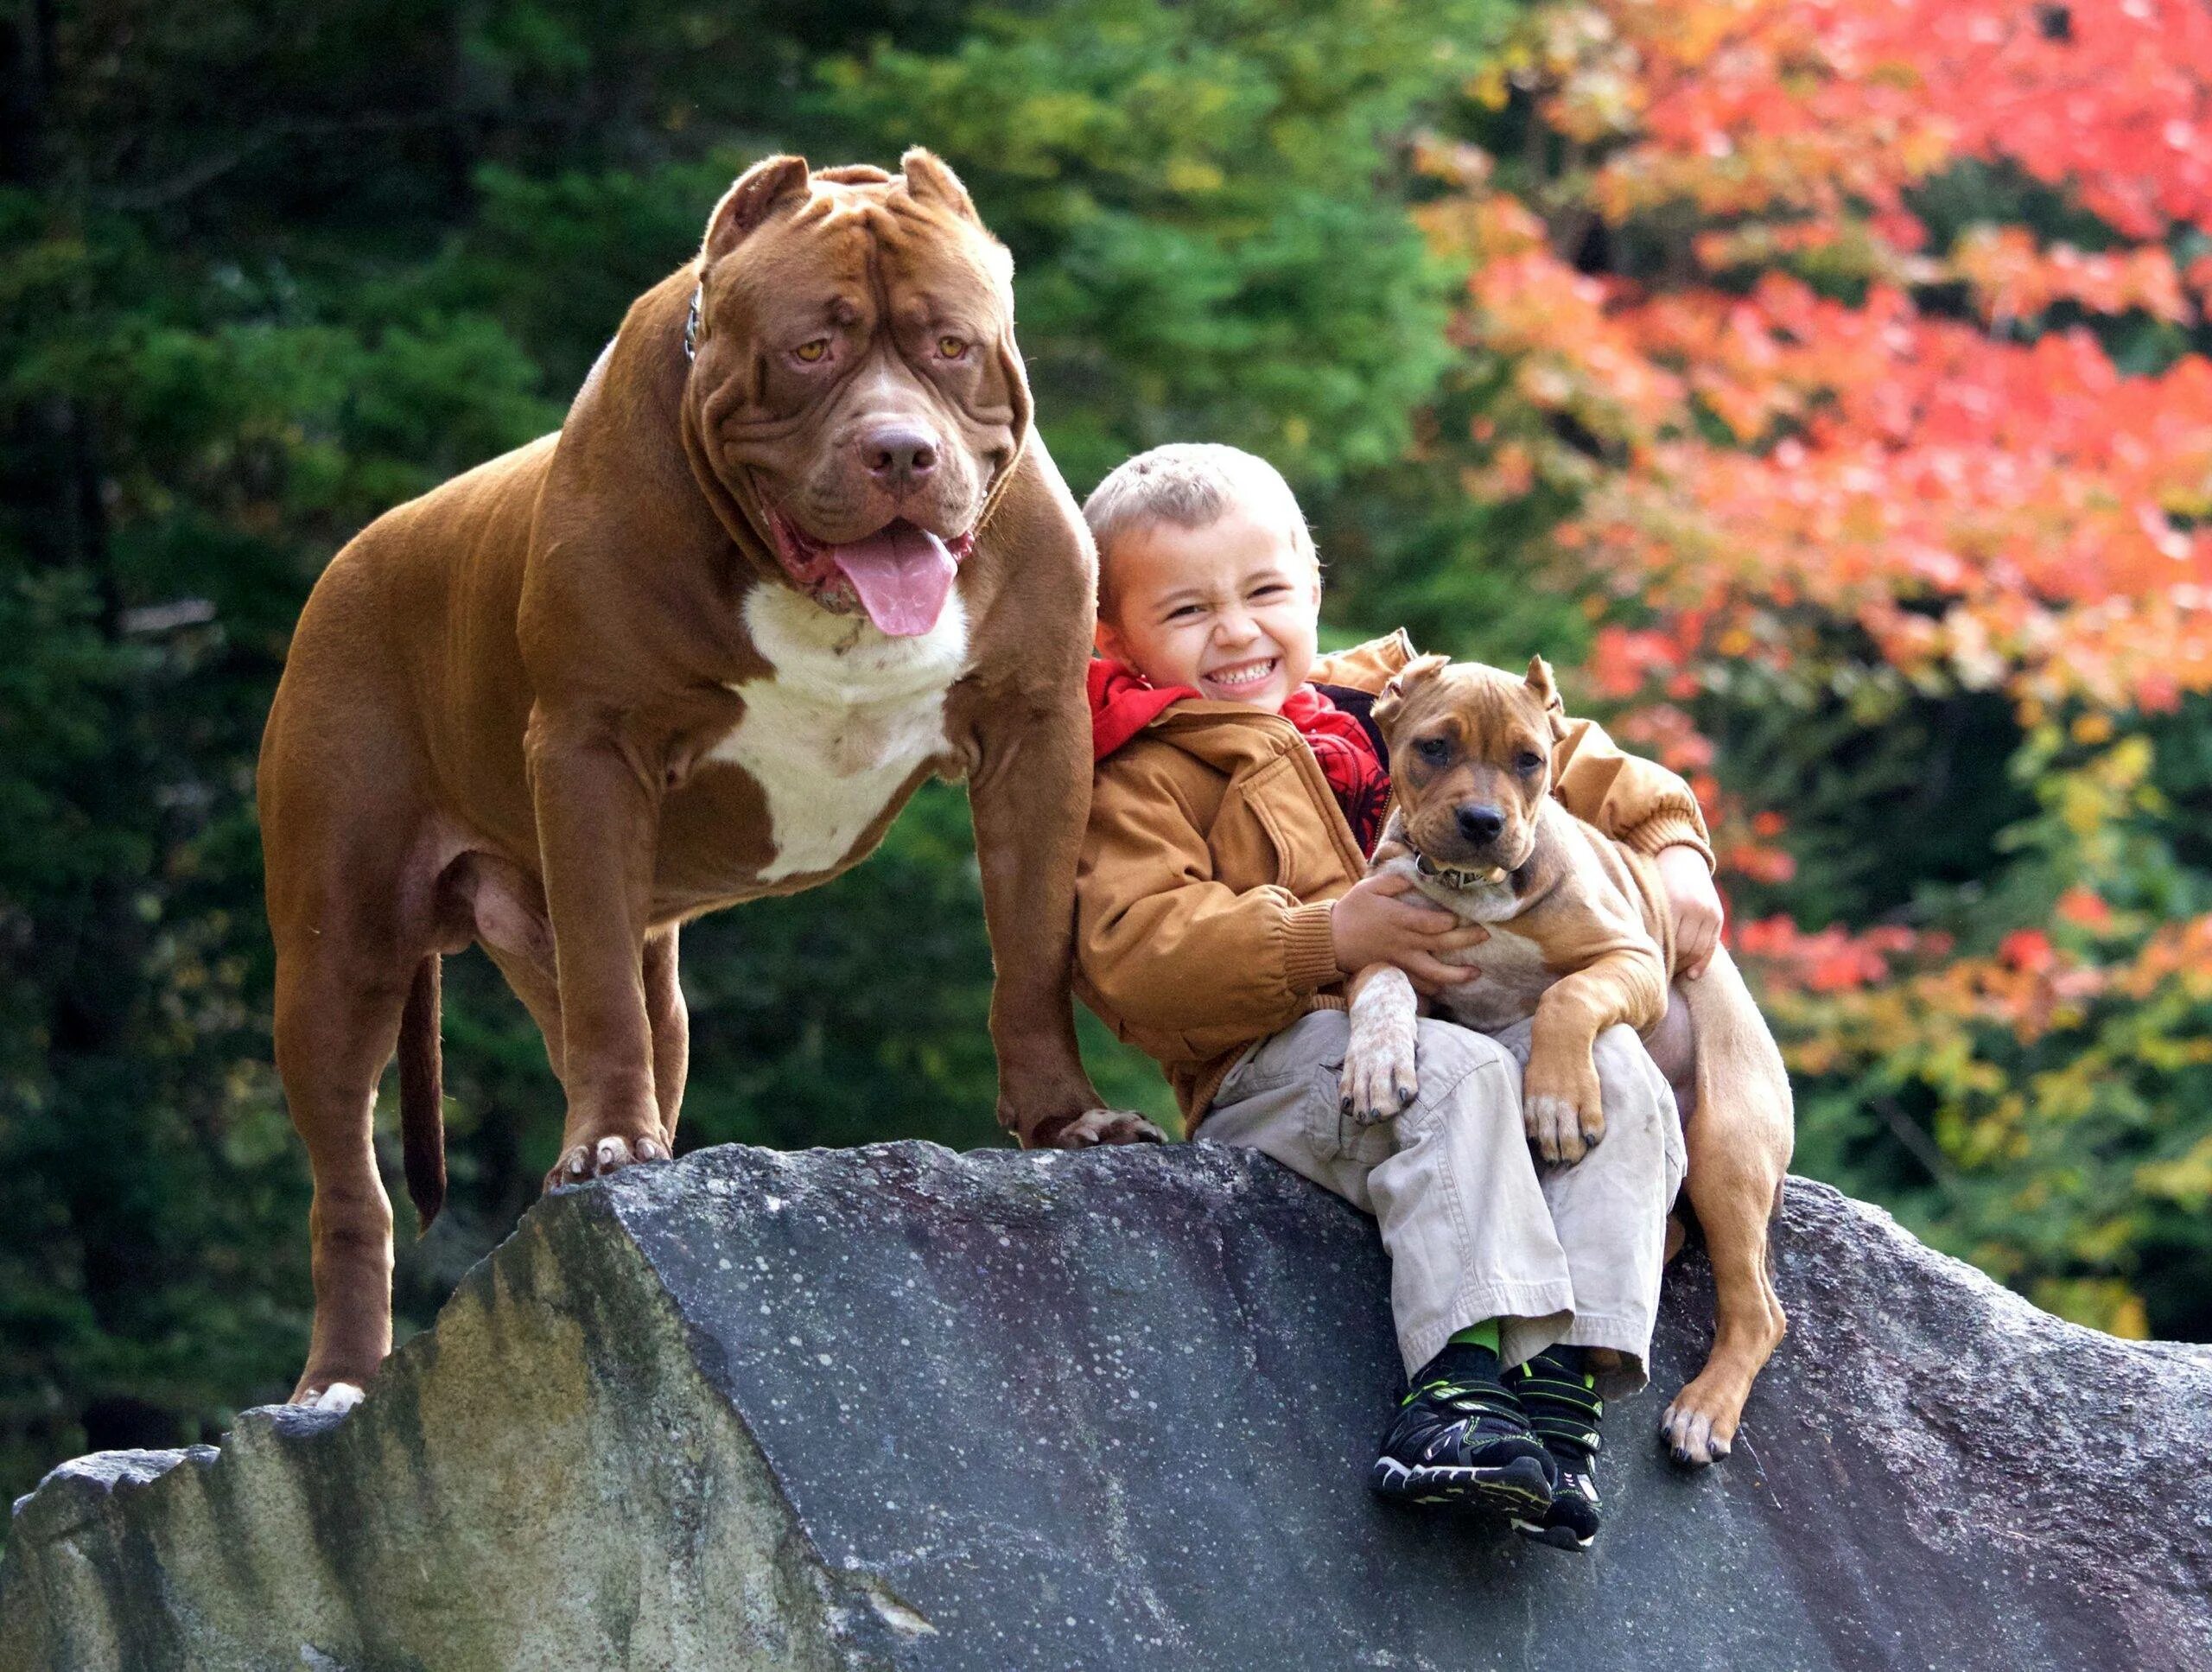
[(1738, 1138), (672, 1029), (338, 1013)]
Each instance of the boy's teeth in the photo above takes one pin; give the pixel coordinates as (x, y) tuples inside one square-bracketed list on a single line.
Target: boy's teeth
[(1251, 676)]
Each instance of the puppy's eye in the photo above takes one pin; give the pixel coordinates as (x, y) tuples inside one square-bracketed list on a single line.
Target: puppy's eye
[(1527, 762), (952, 347), (811, 352), (1434, 750)]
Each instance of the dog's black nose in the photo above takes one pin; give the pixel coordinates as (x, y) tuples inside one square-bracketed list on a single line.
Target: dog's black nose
[(898, 453), (1480, 823)]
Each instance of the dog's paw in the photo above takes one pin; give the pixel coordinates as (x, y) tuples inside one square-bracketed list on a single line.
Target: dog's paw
[(339, 1397), (1562, 1110), (581, 1163), (1700, 1427), (1380, 1076), (1100, 1126)]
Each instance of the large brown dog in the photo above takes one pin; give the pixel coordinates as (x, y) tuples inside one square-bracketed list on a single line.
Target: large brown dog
[(1579, 939), (794, 549)]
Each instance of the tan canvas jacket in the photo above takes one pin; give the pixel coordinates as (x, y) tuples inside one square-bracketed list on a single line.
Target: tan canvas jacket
[(1215, 849)]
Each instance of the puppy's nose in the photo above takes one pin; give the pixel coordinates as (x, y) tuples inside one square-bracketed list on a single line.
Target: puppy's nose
[(898, 453), (1479, 823)]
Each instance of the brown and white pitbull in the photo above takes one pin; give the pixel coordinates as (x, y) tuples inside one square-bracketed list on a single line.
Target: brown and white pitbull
[(796, 548), (1580, 938)]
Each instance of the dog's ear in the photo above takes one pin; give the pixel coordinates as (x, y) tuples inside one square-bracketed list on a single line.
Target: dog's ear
[(1546, 691), (928, 180), (759, 191), (1408, 679)]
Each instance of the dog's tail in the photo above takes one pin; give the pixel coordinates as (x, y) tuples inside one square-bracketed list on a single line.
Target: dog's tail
[(421, 1095), (1738, 1065)]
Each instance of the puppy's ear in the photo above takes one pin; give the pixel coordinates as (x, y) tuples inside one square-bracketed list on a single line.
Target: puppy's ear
[(928, 180), (1542, 687), (759, 191), (1408, 679)]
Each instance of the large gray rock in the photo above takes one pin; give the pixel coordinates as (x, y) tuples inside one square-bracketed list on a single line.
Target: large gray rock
[(895, 1407)]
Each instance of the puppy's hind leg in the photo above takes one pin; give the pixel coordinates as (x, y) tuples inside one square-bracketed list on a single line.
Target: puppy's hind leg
[(1738, 1139)]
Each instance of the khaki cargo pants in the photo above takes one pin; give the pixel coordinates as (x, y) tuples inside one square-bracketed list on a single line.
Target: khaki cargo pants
[(1477, 1228)]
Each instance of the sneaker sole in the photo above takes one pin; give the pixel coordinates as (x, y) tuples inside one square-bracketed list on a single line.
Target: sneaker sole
[(1518, 1487), (1560, 1538)]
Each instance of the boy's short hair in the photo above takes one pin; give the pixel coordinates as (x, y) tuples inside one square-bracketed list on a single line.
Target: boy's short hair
[(1191, 484)]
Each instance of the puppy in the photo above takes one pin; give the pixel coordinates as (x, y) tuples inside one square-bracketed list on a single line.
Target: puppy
[(1580, 938)]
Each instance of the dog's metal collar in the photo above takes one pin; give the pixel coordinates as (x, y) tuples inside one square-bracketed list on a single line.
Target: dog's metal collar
[(1452, 878), (691, 324)]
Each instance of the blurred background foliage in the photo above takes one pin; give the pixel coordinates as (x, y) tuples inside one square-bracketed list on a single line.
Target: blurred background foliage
[(1813, 378)]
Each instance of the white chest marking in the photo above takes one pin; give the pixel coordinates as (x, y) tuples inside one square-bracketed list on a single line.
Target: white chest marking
[(1513, 979), (840, 725)]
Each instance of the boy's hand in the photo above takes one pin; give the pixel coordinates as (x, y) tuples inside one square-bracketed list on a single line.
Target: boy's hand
[(1370, 923), (1694, 904)]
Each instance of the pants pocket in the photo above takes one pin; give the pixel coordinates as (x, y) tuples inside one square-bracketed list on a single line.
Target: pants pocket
[(1334, 1133)]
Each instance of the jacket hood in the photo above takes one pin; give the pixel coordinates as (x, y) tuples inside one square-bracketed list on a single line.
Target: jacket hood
[(1124, 703)]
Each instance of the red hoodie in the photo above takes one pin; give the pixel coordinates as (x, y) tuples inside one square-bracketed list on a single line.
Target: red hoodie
[(1123, 702)]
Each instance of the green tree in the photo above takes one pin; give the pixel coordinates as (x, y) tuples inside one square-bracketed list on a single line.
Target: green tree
[(264, 273)]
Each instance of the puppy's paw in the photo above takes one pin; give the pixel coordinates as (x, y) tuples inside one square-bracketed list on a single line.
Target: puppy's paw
[(1380, 1076), (339, 1397), (1700, 1427), (1099, 1126), (1562, 1110)]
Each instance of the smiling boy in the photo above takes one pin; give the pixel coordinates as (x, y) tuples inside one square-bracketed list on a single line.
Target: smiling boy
[(1220, 902)]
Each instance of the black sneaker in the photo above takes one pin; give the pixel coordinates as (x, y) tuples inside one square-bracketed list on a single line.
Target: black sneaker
[(1459, 1438), (1564, 1410)]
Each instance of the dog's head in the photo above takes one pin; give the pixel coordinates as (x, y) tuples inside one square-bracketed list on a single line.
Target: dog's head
[(855, 386), (1471, 758)]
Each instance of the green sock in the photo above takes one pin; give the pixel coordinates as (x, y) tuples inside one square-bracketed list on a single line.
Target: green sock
[(1484, 1334)]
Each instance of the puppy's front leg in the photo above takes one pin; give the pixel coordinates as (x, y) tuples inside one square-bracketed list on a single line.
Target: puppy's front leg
[(1380, 1076), (1561, 1103)]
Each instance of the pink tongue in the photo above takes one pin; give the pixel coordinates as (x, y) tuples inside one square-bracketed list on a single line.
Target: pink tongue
[(902, 576)]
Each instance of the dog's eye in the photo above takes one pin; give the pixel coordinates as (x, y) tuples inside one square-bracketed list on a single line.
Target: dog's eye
[(1528, 760), (1434, 750), (952, 347), (811, 352)]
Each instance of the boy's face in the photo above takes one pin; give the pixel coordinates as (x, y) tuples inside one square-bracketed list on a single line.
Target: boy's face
[(1230, 609)]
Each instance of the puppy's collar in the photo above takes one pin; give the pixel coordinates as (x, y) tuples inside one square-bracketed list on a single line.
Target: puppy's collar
[(691, 323), (1455, 879)]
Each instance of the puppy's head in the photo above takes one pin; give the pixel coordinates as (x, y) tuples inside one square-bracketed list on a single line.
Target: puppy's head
[(1471, 757)]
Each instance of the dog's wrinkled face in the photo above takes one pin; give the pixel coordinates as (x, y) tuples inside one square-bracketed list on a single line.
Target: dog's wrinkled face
[(1471, 754), (856, 388)]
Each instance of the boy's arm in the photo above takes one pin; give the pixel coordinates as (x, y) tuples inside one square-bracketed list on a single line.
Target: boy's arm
[(1167, 947), (1631, 800)]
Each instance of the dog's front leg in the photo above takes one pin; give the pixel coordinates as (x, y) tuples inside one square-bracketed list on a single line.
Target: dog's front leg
[(598, 808), (1561, 1103), (1030, 794), (1380, 1076)]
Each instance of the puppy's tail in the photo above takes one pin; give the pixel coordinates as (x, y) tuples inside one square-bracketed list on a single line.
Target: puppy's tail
[(421, 1095), (1739, 1067)]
